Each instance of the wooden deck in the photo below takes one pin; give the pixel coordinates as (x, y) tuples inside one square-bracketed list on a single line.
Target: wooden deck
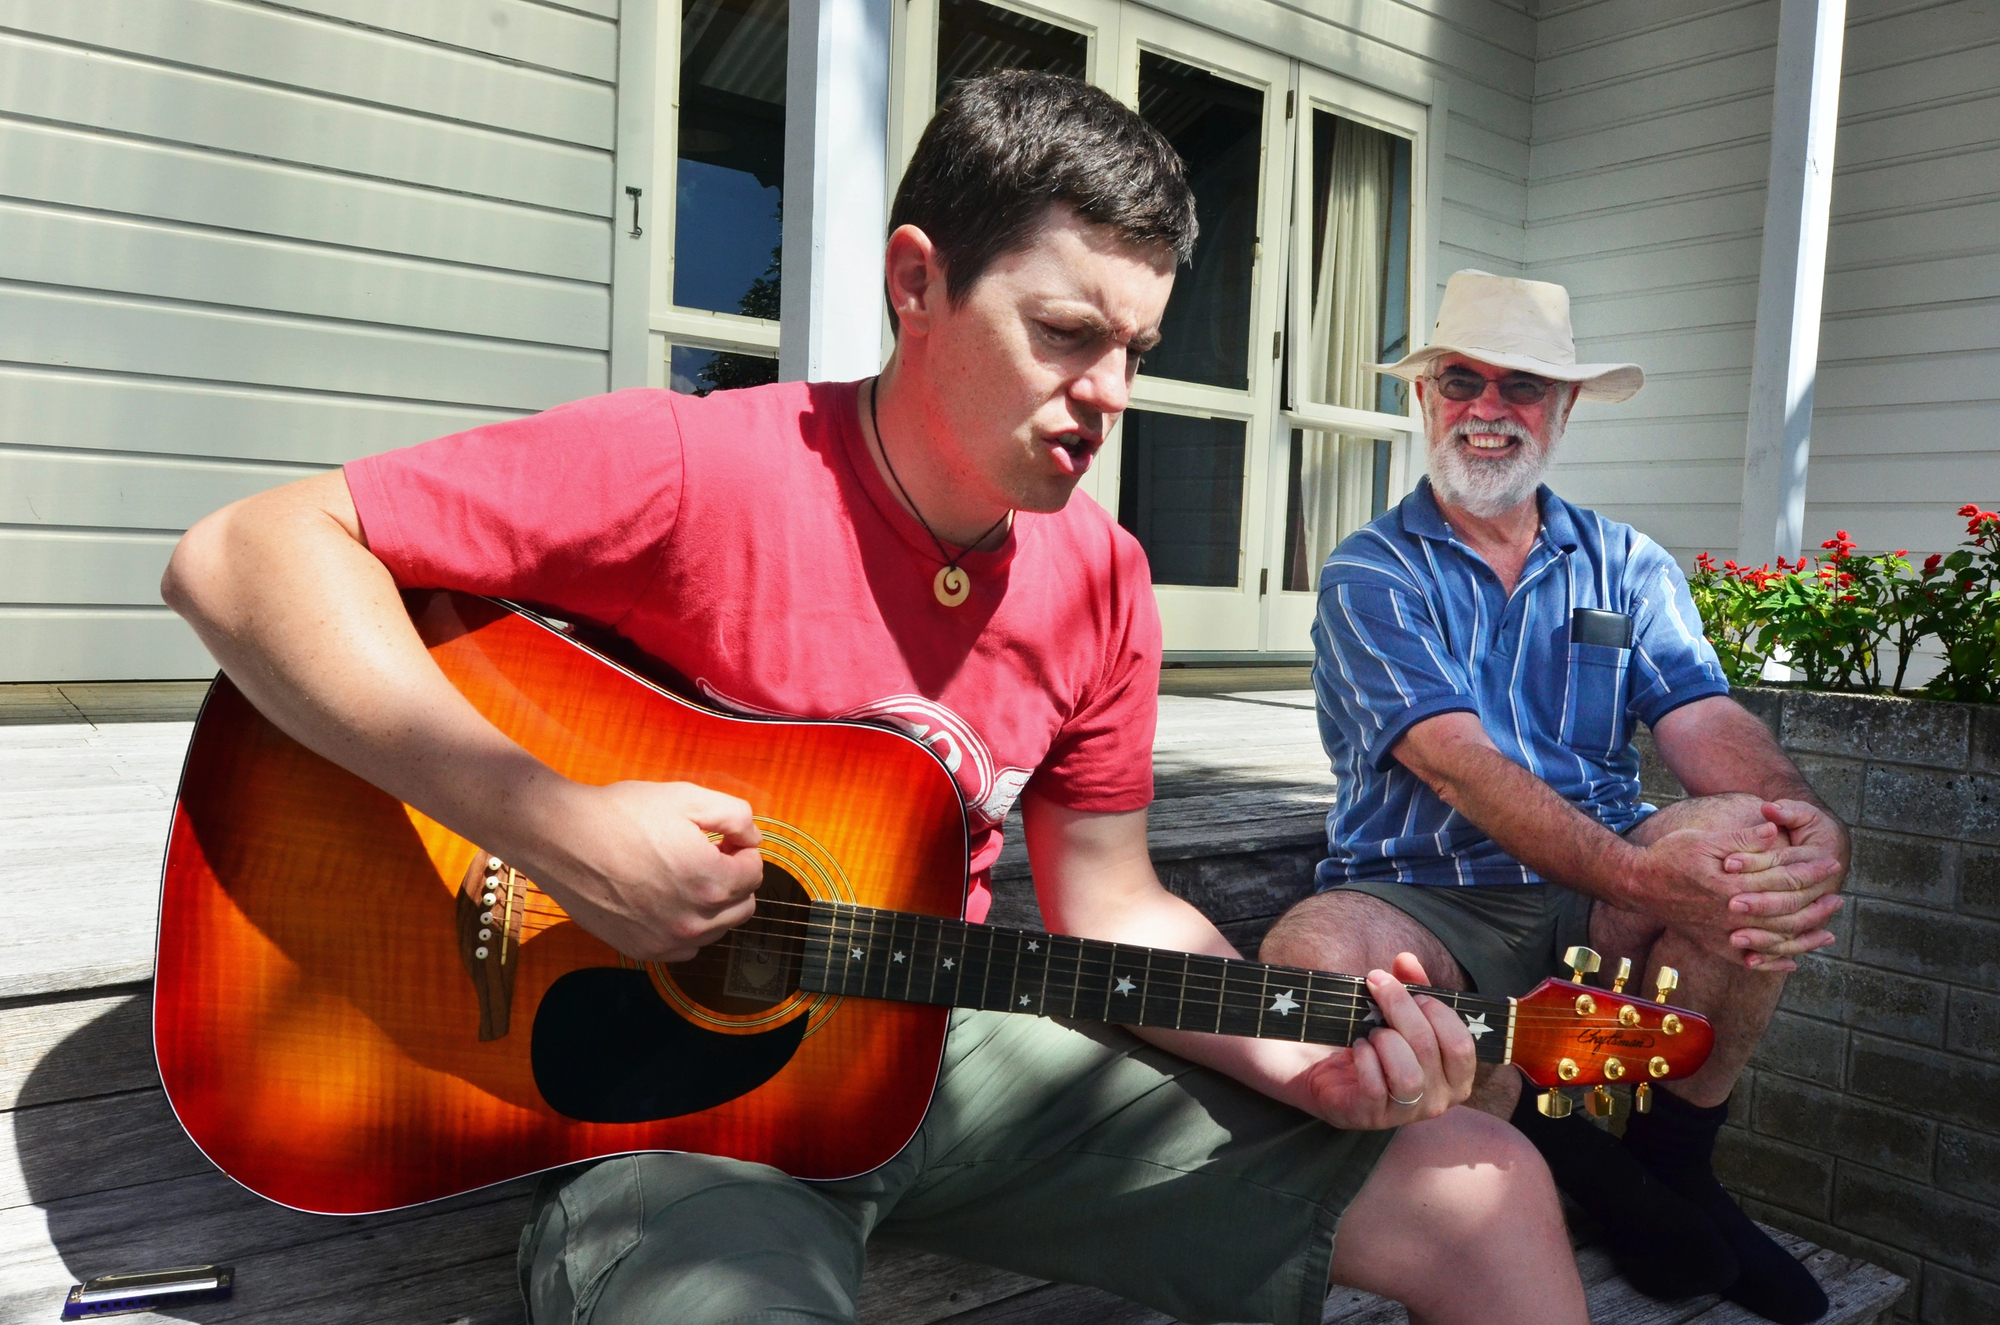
[(96, 1176)]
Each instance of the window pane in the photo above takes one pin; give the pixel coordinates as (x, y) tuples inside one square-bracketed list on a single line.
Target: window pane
[(975, 39), (1180, 492), (693, 371), (1361, 265), (1360, 317), (1217, 127), (730, 174)]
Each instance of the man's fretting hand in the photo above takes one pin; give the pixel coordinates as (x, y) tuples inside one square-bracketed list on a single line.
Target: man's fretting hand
[(1788, 921), (1423, 1053), (642, 872)]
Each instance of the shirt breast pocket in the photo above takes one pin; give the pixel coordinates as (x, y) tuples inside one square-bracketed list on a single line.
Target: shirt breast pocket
[(1594, 710)]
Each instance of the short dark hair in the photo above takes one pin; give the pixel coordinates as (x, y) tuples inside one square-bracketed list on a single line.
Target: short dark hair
[(1006, 146)]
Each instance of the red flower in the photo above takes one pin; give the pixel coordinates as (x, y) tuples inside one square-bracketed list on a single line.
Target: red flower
[(1932, 562), (1730, 565), (1704, 562), (1968, 509)]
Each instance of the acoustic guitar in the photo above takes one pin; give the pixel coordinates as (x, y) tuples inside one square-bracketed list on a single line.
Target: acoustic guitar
[(356, 1009)]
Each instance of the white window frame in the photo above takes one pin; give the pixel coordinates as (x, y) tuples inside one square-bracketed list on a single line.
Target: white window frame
[(1289, 612), (667, 323)]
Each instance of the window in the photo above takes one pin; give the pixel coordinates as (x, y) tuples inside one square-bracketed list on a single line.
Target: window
[(976, 38), (1352, 308), (718, 319)]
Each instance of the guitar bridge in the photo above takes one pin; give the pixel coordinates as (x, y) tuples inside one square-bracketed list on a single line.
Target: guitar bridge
[(491, 901)]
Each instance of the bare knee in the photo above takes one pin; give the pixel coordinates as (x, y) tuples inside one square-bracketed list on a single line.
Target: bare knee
[(1468, 1191), (1709, 814), (1355, 933)]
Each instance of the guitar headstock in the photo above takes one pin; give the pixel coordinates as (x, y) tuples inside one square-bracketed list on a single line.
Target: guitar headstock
[(1567, 1033)]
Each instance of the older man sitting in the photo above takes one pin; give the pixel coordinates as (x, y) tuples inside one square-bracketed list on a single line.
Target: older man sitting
[(1484, 652)]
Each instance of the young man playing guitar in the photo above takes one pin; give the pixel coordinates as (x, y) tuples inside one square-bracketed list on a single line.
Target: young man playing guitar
[(902, 550)]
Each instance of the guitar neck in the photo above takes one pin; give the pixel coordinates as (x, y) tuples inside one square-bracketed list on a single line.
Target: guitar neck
[(870, 953)]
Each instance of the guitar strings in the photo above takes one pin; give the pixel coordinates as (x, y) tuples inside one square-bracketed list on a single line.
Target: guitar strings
[(859, 926), (1211, 982)]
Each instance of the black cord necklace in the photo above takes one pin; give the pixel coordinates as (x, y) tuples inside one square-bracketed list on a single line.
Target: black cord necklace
[(951, 584)]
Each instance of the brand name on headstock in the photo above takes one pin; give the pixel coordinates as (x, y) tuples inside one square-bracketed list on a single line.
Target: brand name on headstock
[(1620, 1037)]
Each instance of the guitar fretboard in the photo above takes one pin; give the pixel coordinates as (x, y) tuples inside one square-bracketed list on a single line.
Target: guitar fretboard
[(869, 953)]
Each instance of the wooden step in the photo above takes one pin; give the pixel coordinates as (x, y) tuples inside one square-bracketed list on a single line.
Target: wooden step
[(96, 1176)]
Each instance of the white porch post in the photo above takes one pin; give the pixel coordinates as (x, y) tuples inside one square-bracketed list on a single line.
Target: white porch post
[(1805, 105), (836, 190)]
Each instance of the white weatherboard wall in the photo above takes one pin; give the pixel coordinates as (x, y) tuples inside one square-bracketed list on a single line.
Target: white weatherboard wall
[(1646, 197), (240, 244), (1651, 149)]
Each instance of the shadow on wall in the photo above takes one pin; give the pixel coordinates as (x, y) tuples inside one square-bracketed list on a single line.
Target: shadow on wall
[(123, 1188)]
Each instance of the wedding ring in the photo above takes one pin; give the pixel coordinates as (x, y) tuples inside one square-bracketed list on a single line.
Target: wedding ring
[(1408, 1103)]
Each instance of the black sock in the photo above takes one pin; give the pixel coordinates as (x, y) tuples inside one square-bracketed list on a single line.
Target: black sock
[(1676, 1142), (1662, 1243)]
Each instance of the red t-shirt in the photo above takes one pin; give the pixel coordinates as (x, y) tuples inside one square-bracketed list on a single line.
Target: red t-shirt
[(746, 541)]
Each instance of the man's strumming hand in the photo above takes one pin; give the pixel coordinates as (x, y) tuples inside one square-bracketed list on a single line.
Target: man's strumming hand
[(1423, 1053), (655, 869)]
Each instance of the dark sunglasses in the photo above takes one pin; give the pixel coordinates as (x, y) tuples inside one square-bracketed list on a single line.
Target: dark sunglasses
[(1463, 384)]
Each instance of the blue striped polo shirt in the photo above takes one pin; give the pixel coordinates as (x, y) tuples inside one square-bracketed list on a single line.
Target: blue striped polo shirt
[(1413, 623)]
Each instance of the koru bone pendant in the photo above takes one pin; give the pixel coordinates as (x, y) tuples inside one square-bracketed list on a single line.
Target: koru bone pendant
[(951, 585)]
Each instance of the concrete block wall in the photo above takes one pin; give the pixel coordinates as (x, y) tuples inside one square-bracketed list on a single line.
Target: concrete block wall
[(1870, 1119)]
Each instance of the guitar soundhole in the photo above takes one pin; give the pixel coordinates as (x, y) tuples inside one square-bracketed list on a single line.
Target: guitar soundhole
[(757, 965)]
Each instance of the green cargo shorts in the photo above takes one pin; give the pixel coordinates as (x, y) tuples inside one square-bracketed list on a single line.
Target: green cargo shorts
[(1060, 1150), (1507, 938)]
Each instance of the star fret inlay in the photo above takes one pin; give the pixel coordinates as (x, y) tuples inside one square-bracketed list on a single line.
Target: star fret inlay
[(855, 953), (1124, 985), (898, 957), (1284, 1004), (1476, 1026)]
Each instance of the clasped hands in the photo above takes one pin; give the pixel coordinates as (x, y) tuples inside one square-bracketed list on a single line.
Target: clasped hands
[(1761, 895)]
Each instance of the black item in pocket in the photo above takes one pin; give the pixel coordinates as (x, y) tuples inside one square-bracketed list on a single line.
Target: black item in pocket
[(1594, 710), (1590, 625)]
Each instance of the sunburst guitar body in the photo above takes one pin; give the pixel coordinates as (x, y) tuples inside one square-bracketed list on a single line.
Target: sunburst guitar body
[(356, 1009)]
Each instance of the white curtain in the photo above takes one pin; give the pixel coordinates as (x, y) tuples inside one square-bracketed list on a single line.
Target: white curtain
[(1336, 472)]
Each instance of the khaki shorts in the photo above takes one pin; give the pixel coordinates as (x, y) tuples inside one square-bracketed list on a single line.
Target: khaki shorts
[(1507, 938), (1060, 1150)]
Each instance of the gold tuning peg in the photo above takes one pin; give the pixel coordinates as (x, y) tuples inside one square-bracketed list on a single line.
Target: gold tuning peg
[(1581, 961), (1554, 1104), (1624, 974), (1642, 1097), (1599, 1102), (1666, 982)]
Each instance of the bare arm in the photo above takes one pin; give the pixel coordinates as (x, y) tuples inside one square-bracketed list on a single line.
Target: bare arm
[(1682, 879), (1095, 879), (283, 590)]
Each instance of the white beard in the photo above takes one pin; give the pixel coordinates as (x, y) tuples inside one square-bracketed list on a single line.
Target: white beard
[(1488, 486)]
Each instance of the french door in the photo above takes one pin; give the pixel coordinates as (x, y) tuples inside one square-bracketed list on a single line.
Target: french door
[(1190, 464), (1347, 437)]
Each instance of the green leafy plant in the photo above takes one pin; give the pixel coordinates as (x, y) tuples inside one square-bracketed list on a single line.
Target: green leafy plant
[(1957, 600), (1840, 622)]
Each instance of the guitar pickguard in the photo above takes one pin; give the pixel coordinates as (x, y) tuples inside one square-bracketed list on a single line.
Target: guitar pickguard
[(608, 1049)]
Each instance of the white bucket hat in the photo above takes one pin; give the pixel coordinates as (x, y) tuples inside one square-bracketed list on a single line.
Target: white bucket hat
[(1522, 325)]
